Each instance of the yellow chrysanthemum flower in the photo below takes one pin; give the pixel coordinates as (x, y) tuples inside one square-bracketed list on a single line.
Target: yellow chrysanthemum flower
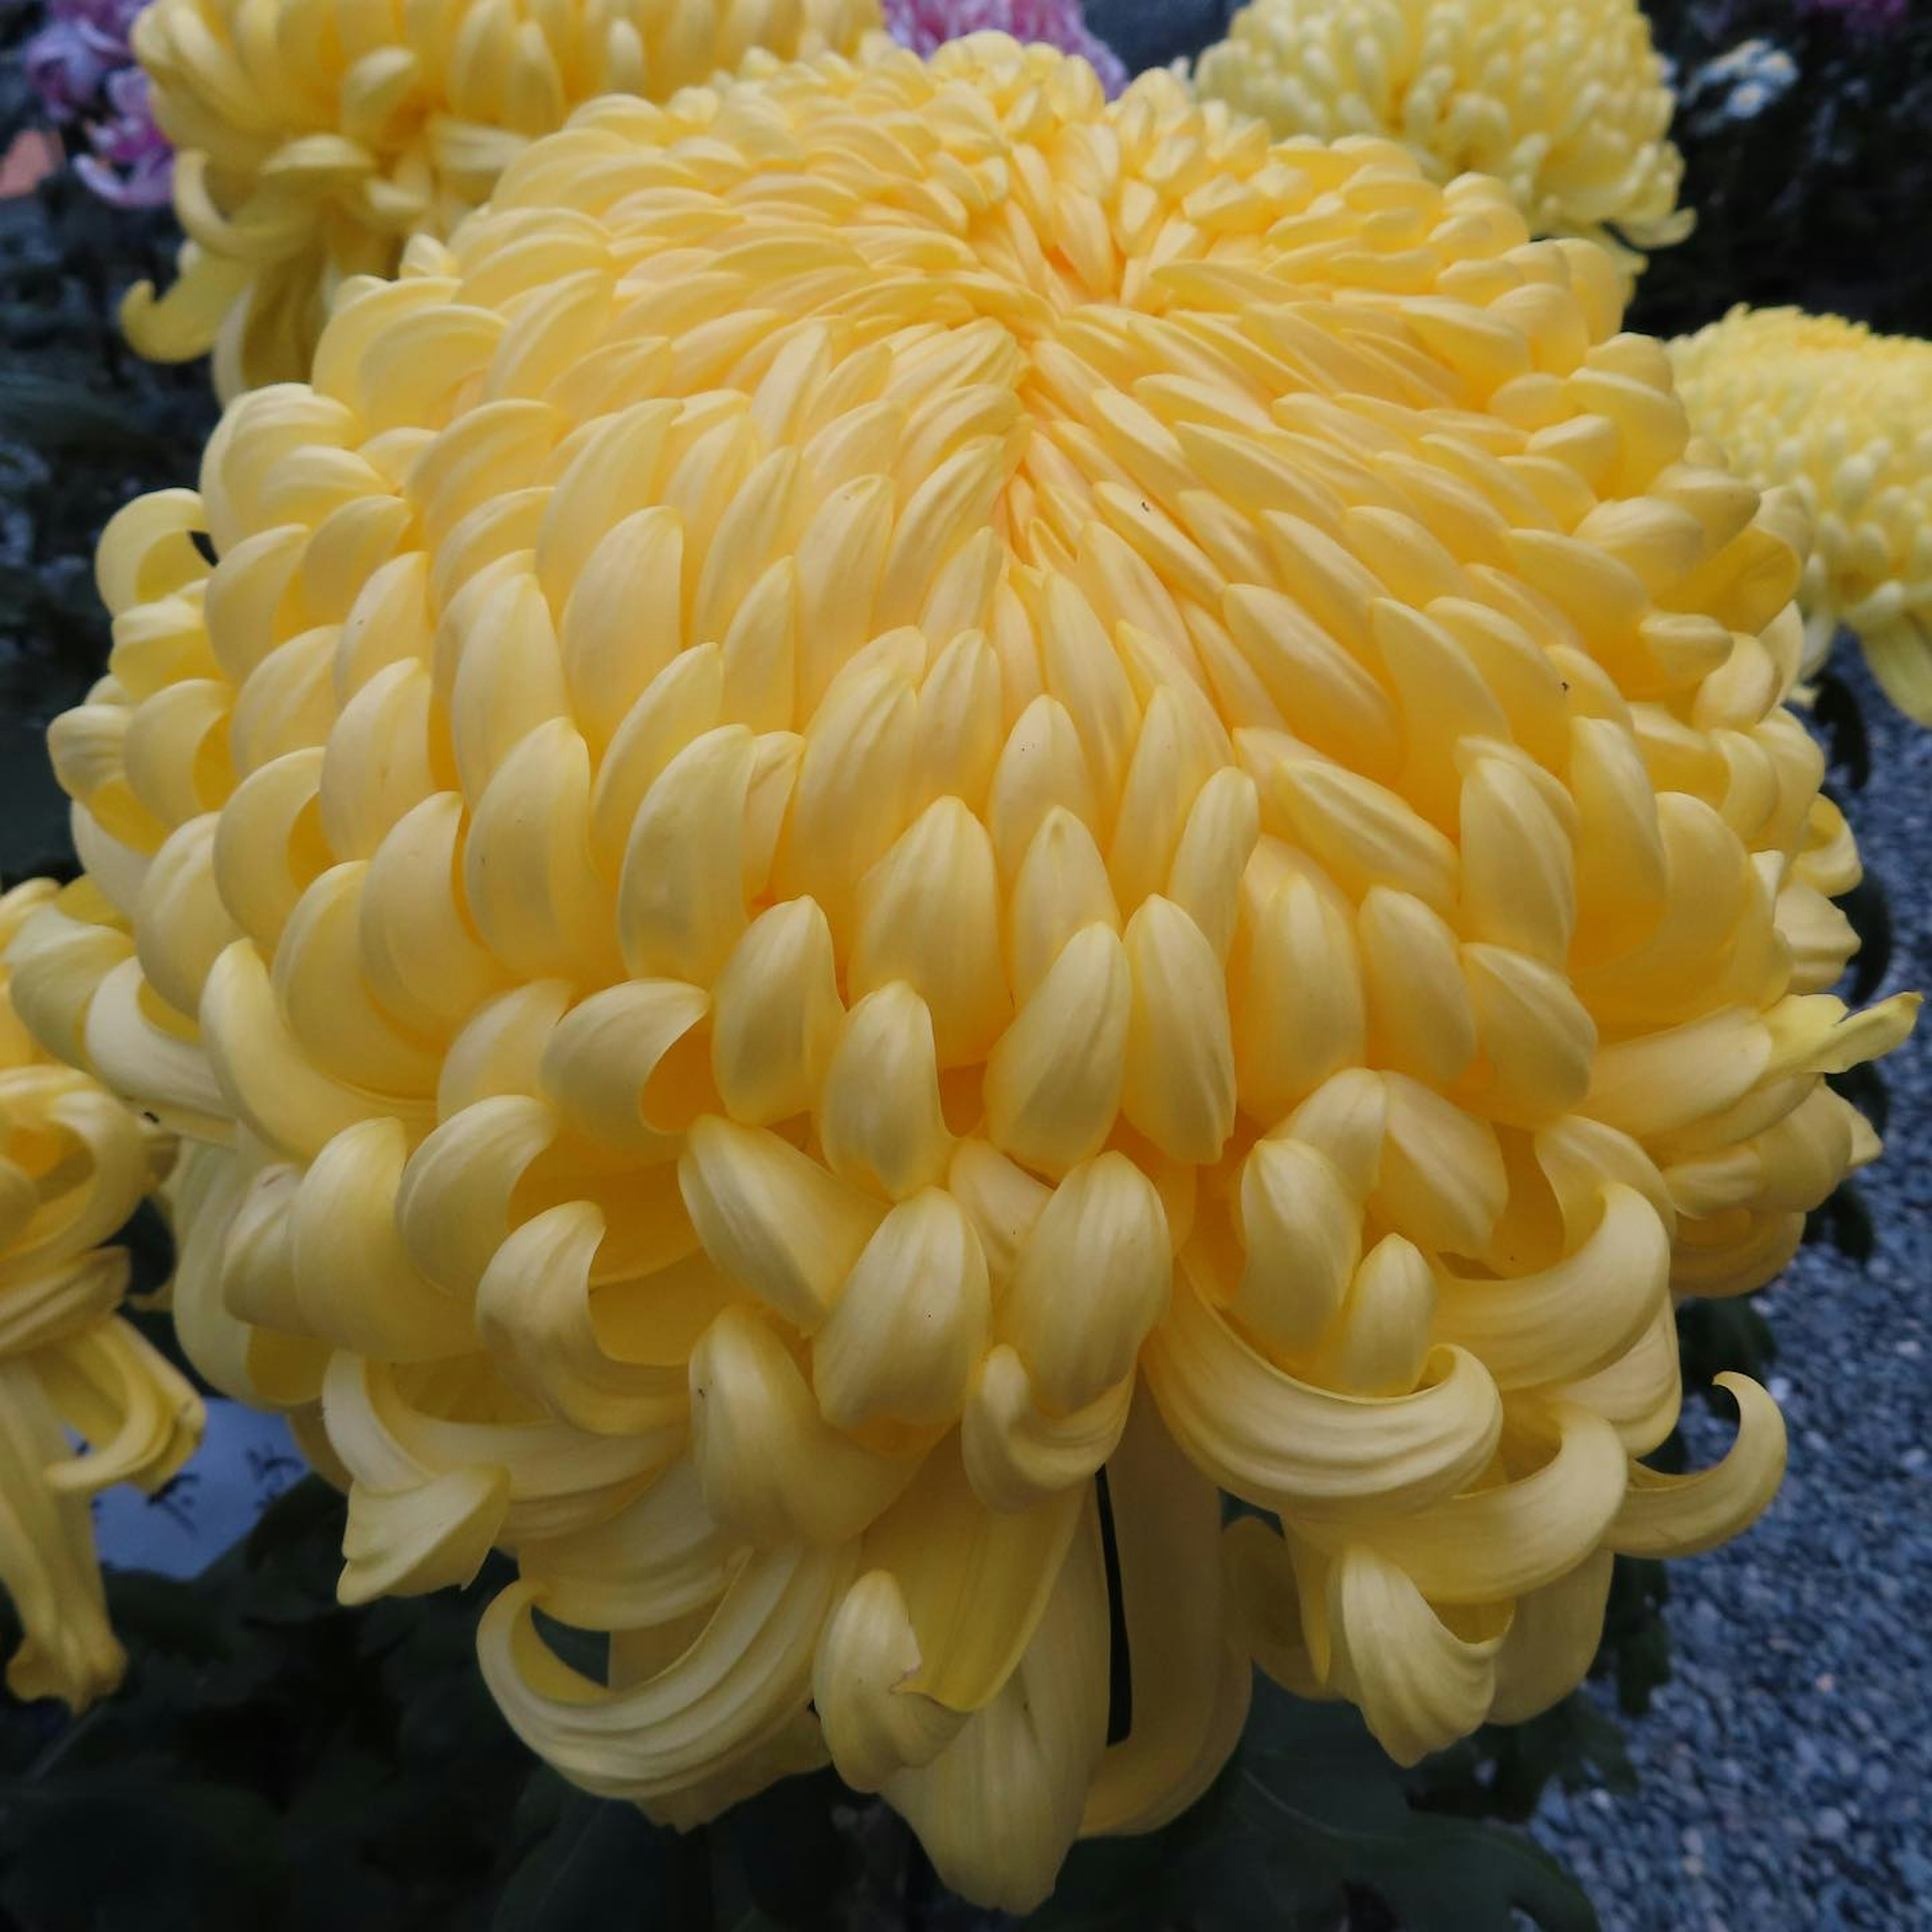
[(314, 139), (1844, 418), (73, 1162), (1564, 100), (905, 786)]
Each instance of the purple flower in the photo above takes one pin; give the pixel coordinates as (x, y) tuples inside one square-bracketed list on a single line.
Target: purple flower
[(68, 61), (132, 165), (1876, 14), (83, 69), (83, 41), (922, 25)]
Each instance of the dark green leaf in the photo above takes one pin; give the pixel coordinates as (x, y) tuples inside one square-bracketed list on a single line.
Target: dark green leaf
[(798, 1865), (137, 1847), (602, 1866), (1836, 709), (1311, 1815)]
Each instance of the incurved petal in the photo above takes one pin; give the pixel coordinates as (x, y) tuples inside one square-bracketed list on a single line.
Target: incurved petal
[(354, 1280), (773, 1470), (1418, 1684), (1189, 1683), (950, 1596), (1285, 1445), (1573, 1317), (47, 1564), (1639, 1394), (997, 1809), (661, 1557), (1553, 1641), (746, 1675), (405, 1543), (1680, 1516), (138, 1412), (533, 1312), (560, 1478), (1493, 1543), (1018, 1453)]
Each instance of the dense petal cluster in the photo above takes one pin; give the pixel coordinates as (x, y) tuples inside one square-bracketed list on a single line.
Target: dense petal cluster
[(73, 1162), (906, 785), (1564, 101), (1844, 418), (314, 139)]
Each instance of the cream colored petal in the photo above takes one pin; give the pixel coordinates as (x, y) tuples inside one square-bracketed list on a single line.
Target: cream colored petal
[(266, 1079), (1639, 1394), (560, 1478), (776, 1015), (873, 1724), (140, 1417), (1284, 1445), (772, 1219), (47, 1564), (879, 1115), (1017, 1452), (1386, 1327), (533, 1313), (658, 1558), (1301, 1227), (746, 1676), (1442, 1182), (681, 905), (1574, 1317), (1092, 1277), (966, 1589), (1488, 1545), (353, 1277), (453, 1203), (1054, 1081), (928, 914), (601, 1063), (1679, 1515), (1553, 1641), (238, 1359), (998, 1808), (1180, 1085), (910, 1322), (172, 1078), (1419, 1685), (772, 1469), (406, 1543), (1062, 887), (1188, 1684)]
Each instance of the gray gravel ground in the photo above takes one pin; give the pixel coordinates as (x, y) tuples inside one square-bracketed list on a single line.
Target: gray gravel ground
[(1786, 1769)]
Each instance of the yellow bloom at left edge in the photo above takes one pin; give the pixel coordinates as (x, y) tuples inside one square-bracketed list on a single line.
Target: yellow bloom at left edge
[(1843, 417), (314, 140), (73, 1162)]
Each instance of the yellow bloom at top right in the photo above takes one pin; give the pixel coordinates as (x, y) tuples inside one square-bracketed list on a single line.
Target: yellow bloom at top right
[(1563, 100), (1844, 417)]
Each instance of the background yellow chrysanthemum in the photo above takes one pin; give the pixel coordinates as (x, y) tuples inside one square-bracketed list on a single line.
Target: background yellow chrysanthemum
[(1564, 100), (73, 1162), (1844, 418), (313, 139), (906, 785)]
